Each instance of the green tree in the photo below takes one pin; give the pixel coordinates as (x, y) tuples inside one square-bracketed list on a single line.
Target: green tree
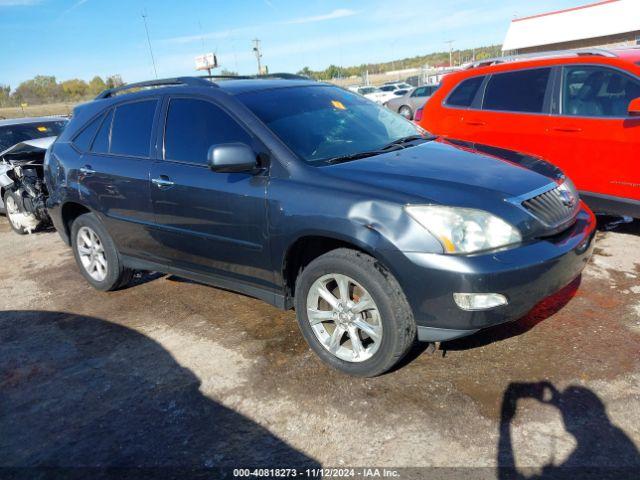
[(5, 96), (74, 89), (96, 85), (40, 89), (114, 81)]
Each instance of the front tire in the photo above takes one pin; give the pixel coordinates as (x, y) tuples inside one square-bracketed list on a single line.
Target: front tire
[(96, 254), (353, 313), (21, 222)]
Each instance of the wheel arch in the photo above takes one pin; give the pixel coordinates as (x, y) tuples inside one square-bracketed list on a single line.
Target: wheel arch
[(306, 248), (69, 212)]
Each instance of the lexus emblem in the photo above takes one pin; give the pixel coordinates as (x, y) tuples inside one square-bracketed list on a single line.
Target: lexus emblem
[(567, 197)]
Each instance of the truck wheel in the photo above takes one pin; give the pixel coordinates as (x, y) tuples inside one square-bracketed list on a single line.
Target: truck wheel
[(96, 254), (21, 222), (406, 112), (353, 313)]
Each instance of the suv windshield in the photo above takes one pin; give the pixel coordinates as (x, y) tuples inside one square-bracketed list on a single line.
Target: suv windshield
[(12, 134), (320, 123)]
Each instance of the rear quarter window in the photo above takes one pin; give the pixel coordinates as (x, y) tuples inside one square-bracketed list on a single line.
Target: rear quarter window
[(83, 140), (465, 92)]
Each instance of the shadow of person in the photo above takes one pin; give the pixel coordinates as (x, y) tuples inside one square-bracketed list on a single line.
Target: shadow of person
[(80, 392), (543, 310), (603, 450)]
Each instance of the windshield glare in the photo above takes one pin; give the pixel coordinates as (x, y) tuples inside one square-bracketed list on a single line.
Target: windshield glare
[(322, 122), (12, 134)]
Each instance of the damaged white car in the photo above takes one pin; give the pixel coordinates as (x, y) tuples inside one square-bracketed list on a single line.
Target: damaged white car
[(23, 144)]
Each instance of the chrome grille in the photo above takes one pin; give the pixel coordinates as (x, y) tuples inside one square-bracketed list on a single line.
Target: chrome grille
[(555, 207)]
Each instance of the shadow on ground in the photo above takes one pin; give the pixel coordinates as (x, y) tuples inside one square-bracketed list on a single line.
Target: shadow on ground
[(543, 310), (82, 392), (618, 224), (603, 451)]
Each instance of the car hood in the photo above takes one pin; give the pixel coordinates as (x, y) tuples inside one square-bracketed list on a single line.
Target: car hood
[(29, 146), (445, 173)]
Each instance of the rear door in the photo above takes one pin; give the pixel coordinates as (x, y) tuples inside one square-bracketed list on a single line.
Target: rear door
[(419, 97), (515, 111), (215, 223), (114, 173), (594, 140)]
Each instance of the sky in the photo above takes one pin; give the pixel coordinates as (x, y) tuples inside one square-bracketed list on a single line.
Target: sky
[(83, 38)]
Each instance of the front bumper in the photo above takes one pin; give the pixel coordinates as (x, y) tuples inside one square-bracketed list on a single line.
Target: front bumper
[(525, 275)]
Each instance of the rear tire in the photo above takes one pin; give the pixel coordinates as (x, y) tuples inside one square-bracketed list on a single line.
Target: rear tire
[(96, 254), (406, 112), (368, 341)]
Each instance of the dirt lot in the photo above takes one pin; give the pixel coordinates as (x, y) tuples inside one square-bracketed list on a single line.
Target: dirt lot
[(37, 110), (169, 373)]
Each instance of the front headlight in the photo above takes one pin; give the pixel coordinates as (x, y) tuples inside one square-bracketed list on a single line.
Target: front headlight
[(464, 230)]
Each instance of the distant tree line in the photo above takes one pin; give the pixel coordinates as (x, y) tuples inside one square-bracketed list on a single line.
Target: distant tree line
[(432, 59), (44, 89)]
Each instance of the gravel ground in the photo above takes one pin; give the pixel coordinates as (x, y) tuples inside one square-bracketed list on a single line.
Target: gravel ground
[(172, 374)]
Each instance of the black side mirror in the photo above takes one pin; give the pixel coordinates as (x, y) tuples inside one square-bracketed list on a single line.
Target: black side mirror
[(231, 157)]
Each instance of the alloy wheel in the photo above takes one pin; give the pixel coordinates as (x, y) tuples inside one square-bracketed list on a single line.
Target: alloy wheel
[(344, 317), (13, 212), (91, 253)]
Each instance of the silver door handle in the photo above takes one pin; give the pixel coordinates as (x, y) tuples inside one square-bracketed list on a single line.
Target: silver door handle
[(161, 182), (87, 170)]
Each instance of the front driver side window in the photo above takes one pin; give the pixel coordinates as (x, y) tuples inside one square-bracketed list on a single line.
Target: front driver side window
[(592, 91), (194, 125)]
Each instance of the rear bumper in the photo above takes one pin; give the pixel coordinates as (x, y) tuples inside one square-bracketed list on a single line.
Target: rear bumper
[(525, 275)]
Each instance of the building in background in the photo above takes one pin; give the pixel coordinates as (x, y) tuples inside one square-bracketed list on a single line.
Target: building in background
[(602, 24)]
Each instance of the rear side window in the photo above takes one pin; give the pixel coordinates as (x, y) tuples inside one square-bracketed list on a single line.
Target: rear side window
[(101, 143), (194, 125), (420, 92), (463, 94), (131, 130), (520, 91), (84, 138)]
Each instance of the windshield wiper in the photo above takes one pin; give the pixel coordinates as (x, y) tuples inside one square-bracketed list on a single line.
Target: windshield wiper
[(353, 156), (405, 140)]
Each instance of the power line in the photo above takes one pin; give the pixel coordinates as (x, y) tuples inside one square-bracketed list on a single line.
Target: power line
[(146, 29)]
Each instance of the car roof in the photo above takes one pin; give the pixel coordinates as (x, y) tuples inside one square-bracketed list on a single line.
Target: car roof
[(25, 120)]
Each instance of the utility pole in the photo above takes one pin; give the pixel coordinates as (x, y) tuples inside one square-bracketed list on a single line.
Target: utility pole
[(450, 42), (146, 29), (258, 53)]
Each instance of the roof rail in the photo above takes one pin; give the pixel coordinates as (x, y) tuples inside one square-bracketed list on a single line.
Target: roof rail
[(192, 81), (600, 52), (199, 81), (281, 76)]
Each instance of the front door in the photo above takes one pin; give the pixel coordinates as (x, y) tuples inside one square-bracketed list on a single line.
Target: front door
[(594, 140), (214, 223)]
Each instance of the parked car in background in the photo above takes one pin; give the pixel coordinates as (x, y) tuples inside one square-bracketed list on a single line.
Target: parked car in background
[(23, 143), (578, 109), (373, 94), (407, 104), (377, 232), (393, 86)]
